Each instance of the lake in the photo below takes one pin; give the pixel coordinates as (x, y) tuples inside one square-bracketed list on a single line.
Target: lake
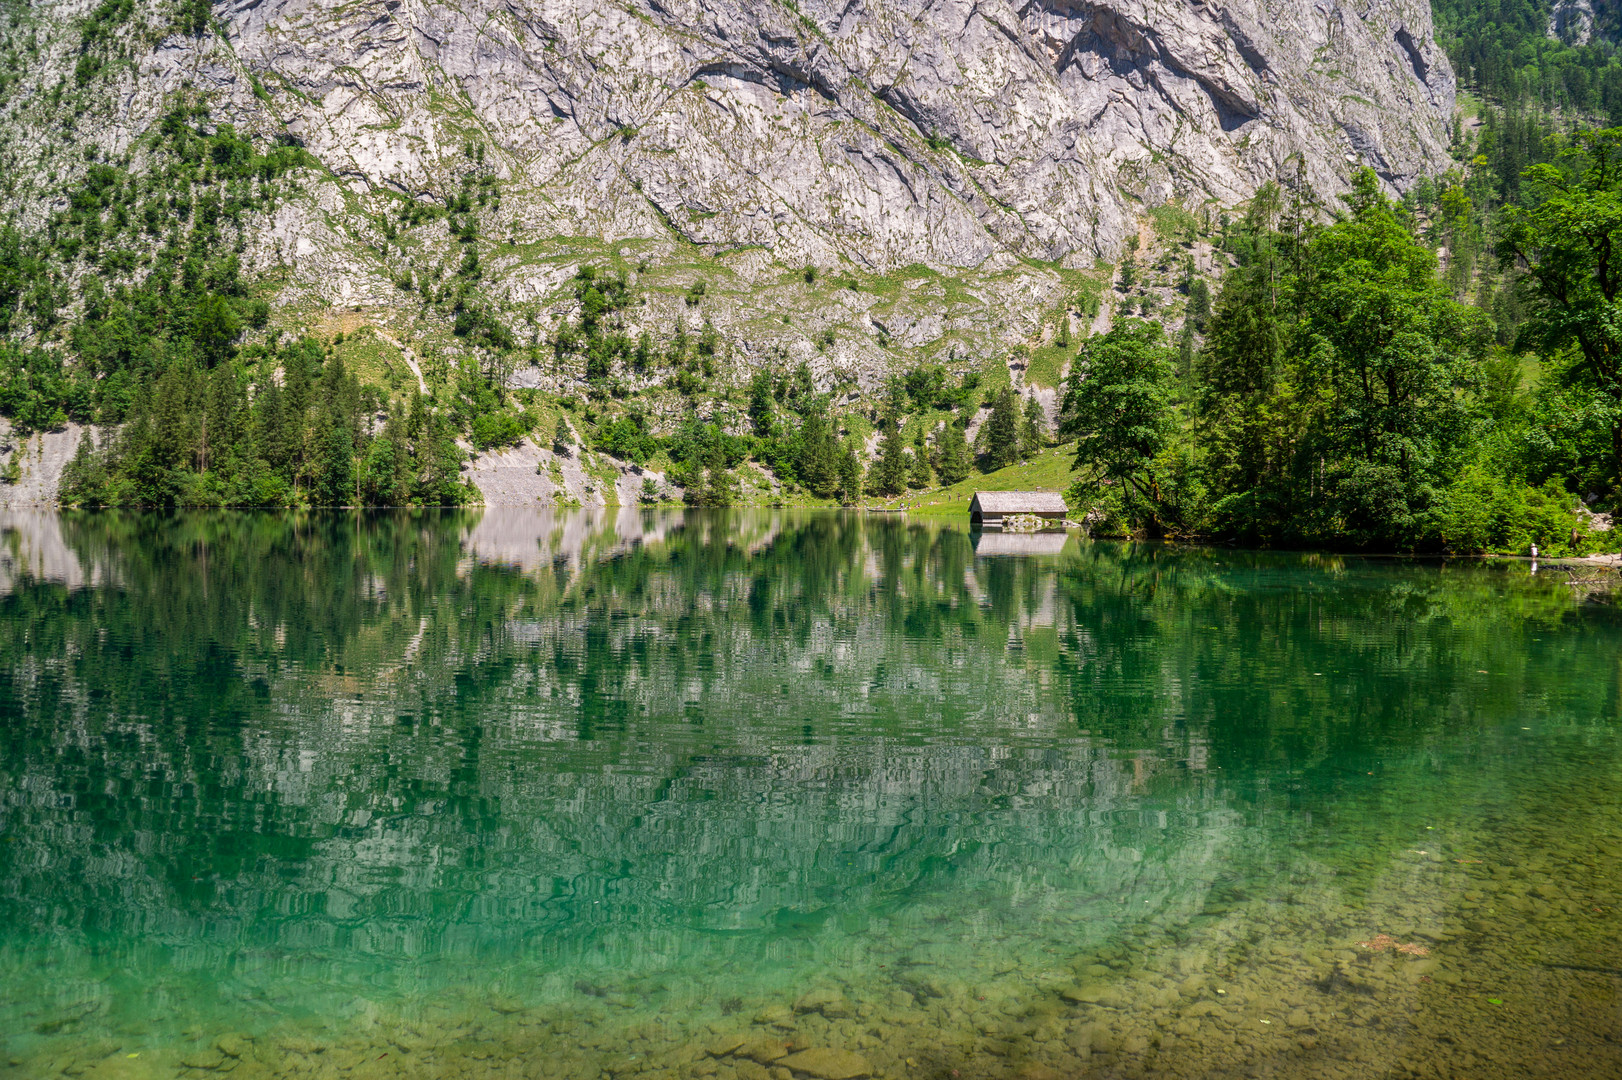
[(646, 795)]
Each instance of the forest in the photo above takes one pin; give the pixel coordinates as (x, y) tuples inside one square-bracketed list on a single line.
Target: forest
[(1502, 50)]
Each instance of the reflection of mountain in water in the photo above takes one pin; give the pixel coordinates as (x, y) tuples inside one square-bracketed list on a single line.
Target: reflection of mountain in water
[(646, 738), (573, 733), (32, 547)]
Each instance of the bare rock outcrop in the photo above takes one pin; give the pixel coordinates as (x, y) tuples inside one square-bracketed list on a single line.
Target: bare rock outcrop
[(880, 132)]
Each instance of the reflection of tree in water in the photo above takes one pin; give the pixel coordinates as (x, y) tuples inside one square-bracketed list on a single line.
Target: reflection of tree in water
[(1286, 660), (727, 722), (323, 702)]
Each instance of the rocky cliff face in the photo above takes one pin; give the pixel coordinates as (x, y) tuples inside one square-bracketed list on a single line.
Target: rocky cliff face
[(971, 137), (890, 132)]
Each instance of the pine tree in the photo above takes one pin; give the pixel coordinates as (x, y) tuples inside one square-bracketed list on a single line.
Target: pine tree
[(952, 455), (711, 484), (334, 480), (998, 441), (1033, 432), (386, 476), (920, 477), (1129, 264), (721, 486), (817, 460), (267, 421), (1185, 355), (84, 478), (334, 466), (223, 422), (889, 475), (850, 476), (761, 406), (1199, 303)]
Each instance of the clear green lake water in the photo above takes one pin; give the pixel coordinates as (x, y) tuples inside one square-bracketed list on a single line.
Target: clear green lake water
[(628, 795)]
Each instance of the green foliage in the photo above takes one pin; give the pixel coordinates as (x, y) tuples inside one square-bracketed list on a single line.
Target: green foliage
[(709, 481), (628, 438), (1199, 303), (762, 412), (1502, 49), (598, 337), (1336, 383), (998, 440), (816, 458), (1033, 431), (96, 33), (1567, 240), (1343, 396), (195, 16), (479, 326), (496, 429), (929, 387), (1117, 408), (35, 391), (952, 458), (1174, 224), (1391, 354), (704, 453), (919, 473), (889, 473), (850, 476), (188, 310), (1482, 511)]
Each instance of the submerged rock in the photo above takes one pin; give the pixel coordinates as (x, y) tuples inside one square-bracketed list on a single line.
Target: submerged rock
[(830, 1003), (762, 1051), (774, 1014), (828, 1064), (1092, 994), (723, 1045)]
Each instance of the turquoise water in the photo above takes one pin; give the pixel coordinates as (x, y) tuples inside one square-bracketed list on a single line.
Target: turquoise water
[(764, 796)]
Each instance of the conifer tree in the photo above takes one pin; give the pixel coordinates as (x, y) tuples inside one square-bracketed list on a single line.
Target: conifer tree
[(850, 476), (999, 435), (952, 454), (270, 428), (84, 477), (1199, 303), (1033, 432), (920, 474), (889, 474), (761, 405), (711, 483), (334, 473), (384, 481), (818, 459), (721, 485)]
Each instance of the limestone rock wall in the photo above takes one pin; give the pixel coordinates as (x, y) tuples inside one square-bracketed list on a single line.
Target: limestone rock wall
[(951, 133)]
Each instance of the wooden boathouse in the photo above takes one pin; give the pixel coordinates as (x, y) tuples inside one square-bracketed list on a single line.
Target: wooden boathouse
[(989, 508)]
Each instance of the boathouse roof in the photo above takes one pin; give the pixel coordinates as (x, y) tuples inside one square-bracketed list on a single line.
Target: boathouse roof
[(1040, 503)]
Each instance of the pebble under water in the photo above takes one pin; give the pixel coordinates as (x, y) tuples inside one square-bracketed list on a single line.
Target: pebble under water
[(627, 795)]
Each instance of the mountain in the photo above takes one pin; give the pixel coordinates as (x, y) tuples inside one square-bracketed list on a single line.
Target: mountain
[(957, 135), (861, 185)]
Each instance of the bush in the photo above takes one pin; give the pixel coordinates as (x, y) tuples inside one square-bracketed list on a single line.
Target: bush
[(1480, 512), (628, 438), (497, 429)]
